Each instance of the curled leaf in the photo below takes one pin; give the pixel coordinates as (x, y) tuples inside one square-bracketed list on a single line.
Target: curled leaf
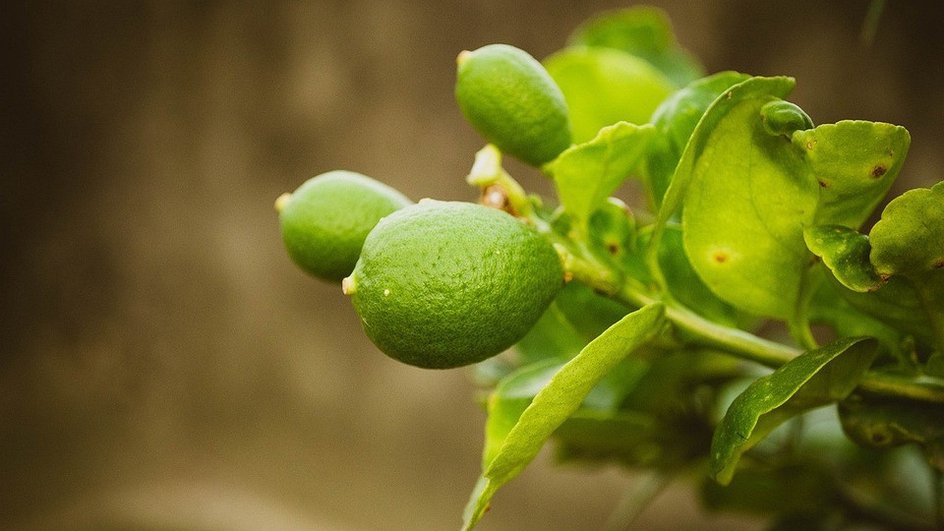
[(845, 252), (783, 118)]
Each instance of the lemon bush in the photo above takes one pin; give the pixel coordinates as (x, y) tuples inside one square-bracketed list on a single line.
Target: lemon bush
[(636, 336)]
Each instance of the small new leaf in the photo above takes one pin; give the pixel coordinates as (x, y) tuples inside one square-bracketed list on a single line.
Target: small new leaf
[(559, 399), (586, 174), (845, 252), (815, 378)]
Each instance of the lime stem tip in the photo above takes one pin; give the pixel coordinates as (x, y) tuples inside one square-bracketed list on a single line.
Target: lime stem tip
[(347, 285), (281, 201)]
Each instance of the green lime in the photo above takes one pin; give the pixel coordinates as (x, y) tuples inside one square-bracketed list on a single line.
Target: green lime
[(512, 101), (325, 221), (445, 284)]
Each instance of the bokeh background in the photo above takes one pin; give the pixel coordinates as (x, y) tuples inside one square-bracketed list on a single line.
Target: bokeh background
[(165, 366)]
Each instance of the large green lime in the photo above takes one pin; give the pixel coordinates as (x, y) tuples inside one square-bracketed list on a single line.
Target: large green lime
[(512, 101), (325, 221), (445, 284)]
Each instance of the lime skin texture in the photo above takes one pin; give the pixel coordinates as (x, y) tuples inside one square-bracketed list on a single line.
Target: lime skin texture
[(325, 221), (445, 284), (511, 100)]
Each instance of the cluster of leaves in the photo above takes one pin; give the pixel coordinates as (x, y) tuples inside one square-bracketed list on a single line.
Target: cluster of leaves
[(754, 219)]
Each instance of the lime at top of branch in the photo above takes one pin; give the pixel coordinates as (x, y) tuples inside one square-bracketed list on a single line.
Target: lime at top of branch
[(512, 101)]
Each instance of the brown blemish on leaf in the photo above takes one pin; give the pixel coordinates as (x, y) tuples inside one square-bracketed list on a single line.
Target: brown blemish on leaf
[(719, 257), (612, 248), (939, 264), (822, 183), (884, 277), (878, 171)]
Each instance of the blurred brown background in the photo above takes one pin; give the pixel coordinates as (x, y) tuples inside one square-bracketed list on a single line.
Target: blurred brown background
[(164, 365)]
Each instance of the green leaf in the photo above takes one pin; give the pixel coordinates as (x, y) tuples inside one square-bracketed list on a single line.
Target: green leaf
[(909, 239), (559, 399), (586, 174), (748, 197), (846, 253), (813, 379), (675, 120), (509, 400), (603, 86), (855, 163), (644, 32), (762, 88)]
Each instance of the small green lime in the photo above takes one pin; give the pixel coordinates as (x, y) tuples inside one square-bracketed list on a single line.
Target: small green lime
[(512, 101), (445, 284), (325, 221)]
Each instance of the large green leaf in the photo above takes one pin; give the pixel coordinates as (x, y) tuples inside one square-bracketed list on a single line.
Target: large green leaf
[(603, 86), (675, 120), (560, 398), (748, 197), (586, 174), (644, 32), (855, 163), (815, 378)]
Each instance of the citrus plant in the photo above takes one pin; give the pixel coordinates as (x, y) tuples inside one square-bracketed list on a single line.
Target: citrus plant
[(746, 330)]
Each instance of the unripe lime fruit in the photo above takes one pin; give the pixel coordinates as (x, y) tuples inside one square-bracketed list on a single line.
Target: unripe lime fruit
[(325, 221), (445, 284), (512, 101)]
